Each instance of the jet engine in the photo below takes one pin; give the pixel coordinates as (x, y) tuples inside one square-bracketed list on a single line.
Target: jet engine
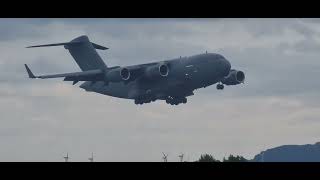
[(118, 74), (234, 77), (157, 71)]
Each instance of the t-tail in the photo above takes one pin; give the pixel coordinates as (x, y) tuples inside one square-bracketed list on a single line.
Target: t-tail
[(83, 52)]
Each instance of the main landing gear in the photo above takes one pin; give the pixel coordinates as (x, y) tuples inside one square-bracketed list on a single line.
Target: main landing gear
[(142, 101), (176, 100), (220, 86), (169, 100)]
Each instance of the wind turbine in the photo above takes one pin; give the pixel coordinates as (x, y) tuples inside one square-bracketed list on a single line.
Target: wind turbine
[(66, 158), (181, 157), (91, 158), (165, 157)]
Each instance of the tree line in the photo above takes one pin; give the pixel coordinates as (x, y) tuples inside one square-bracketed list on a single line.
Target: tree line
[(231, 158)]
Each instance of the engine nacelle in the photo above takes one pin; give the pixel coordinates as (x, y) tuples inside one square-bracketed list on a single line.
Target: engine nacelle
[(157, 71), (118, 74), (234, 77)]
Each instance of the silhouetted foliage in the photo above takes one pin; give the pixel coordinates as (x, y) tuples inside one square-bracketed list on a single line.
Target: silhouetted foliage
[(232, 158), (207, 158)]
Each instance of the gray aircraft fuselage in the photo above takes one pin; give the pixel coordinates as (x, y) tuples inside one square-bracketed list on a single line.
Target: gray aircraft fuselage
[(170, 80), (186, 74)]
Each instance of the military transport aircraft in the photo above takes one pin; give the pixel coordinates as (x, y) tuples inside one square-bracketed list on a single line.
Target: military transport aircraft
[(170, 80)]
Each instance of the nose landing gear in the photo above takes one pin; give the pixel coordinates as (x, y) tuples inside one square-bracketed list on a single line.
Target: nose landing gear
[(220, 86)]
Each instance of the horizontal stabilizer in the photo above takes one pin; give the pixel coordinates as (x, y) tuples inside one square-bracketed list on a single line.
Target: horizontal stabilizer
[(55, 44), (96, 46), (83, 51)]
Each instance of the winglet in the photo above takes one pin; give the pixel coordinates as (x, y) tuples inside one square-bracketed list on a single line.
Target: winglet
[(31, 75)]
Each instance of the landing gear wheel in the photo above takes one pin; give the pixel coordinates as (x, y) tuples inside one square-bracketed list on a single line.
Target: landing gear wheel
[(137, 101), (184, 100), (220, 86), (176, 100), (170, 100)]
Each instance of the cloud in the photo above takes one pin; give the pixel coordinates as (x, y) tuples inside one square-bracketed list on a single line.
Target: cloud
[(44, 119)]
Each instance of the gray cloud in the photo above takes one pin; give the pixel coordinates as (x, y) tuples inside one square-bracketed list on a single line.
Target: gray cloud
[(42, 120)]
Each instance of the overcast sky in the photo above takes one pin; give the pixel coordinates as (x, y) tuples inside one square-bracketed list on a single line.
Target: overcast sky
[(42, 120)]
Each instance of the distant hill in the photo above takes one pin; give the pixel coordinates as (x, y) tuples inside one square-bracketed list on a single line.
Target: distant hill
[(290, 153)]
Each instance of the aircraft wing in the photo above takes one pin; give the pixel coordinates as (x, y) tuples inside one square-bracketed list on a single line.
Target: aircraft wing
[(139, 70), (136, 71), (90, 75)]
